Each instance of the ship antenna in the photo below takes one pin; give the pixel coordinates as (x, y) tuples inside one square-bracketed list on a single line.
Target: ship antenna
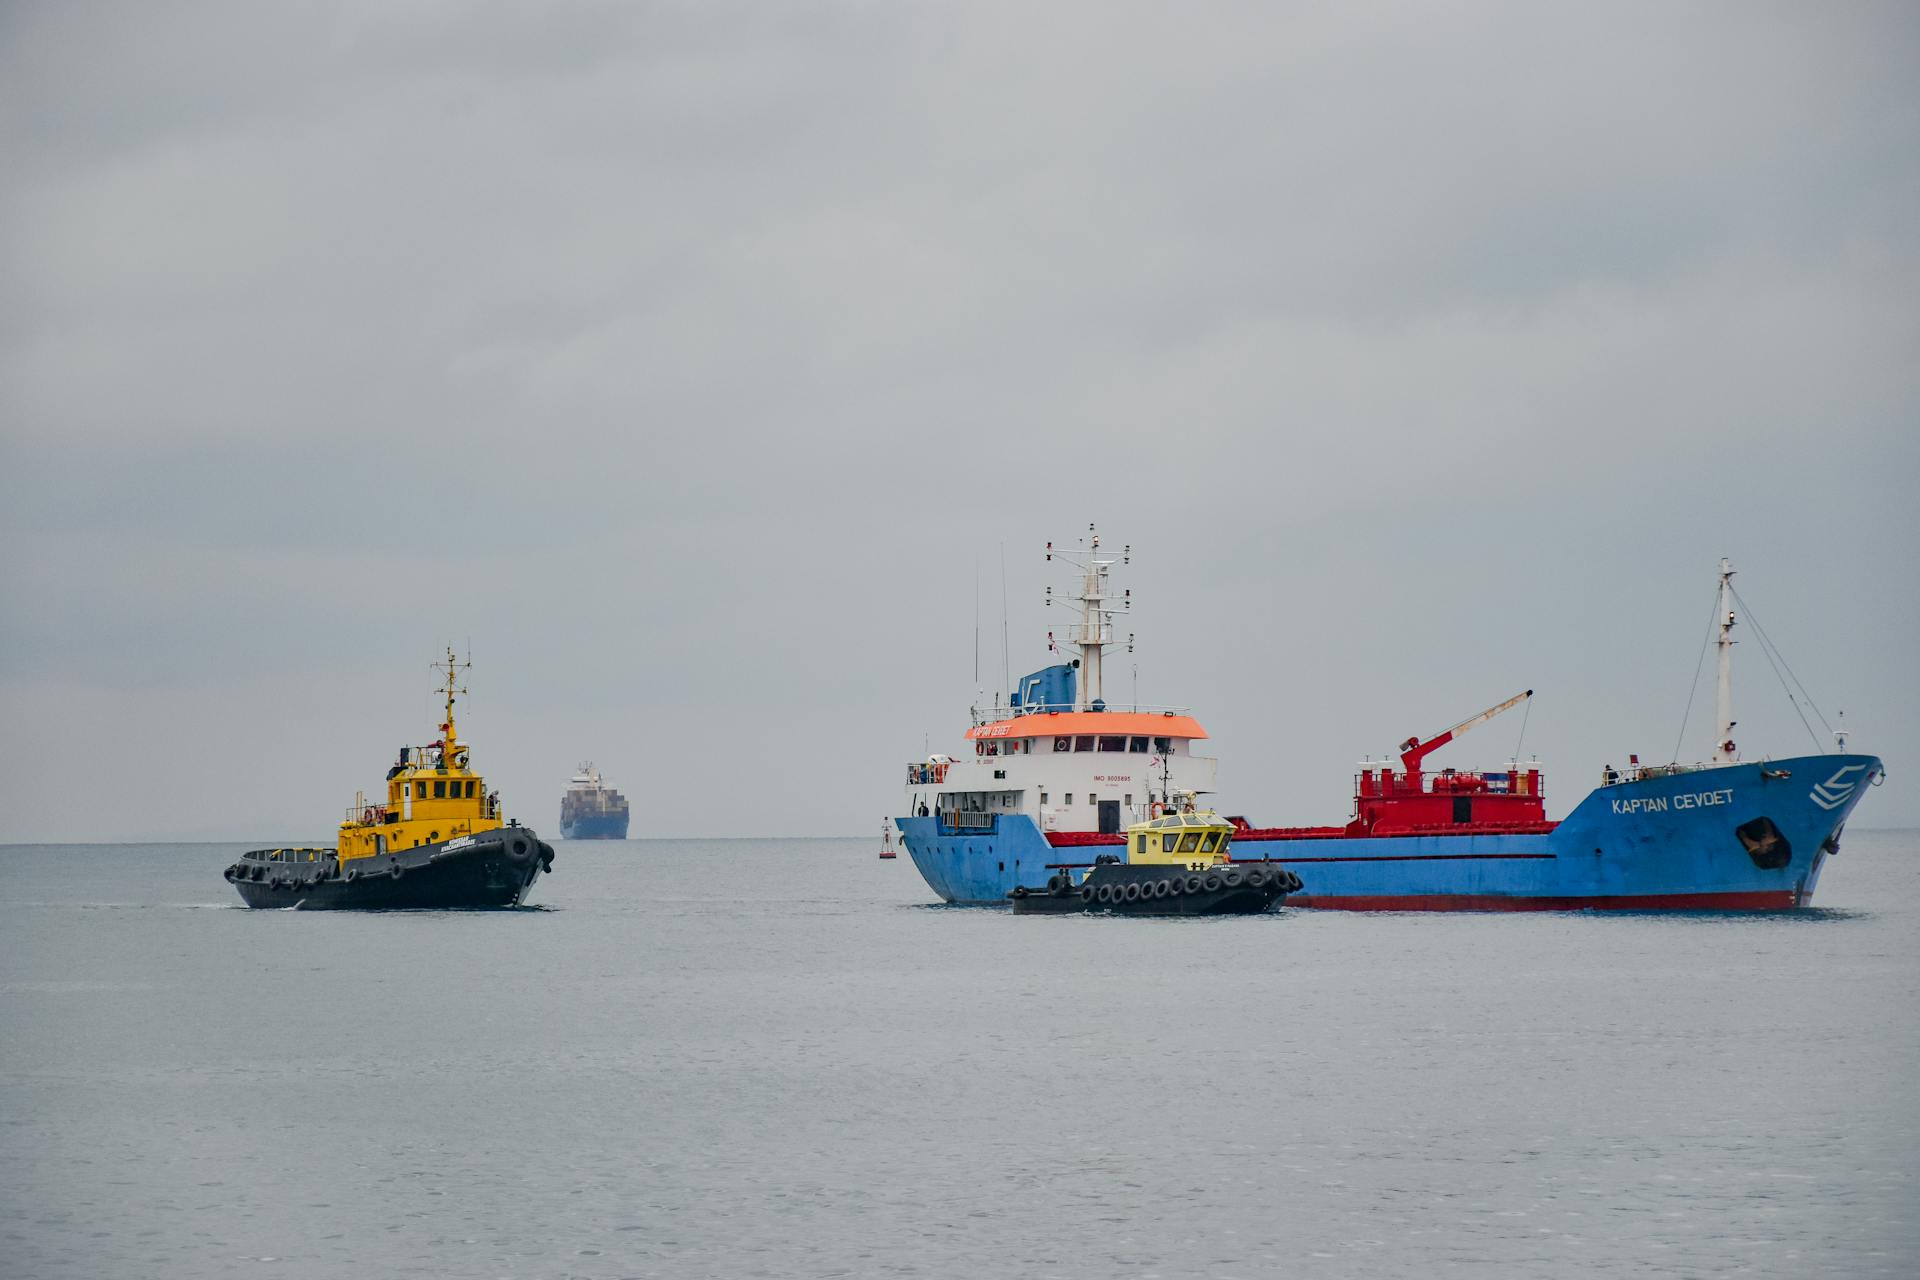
[(1094, 632), (1723, 748), (1006, 664), (453, 667)]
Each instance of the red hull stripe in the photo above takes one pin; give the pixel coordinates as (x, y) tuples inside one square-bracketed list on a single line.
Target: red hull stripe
[(1410, 857), (1758, 900)]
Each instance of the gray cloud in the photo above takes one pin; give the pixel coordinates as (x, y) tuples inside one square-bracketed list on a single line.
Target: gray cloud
[(689, 359)]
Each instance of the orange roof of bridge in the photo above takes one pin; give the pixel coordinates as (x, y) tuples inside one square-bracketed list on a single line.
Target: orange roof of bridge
[(1055, 724)]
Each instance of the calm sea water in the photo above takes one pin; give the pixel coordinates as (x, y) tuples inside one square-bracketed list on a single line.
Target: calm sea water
[(773, 1058)]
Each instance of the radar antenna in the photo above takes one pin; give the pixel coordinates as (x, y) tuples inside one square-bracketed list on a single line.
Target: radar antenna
[(449, 742), (1094, 631)]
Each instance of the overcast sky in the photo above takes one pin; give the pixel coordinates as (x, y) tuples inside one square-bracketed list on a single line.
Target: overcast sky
[(694, 362)]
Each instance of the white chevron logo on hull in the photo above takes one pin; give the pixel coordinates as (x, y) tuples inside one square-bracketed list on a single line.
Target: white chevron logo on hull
[(1833, 793)]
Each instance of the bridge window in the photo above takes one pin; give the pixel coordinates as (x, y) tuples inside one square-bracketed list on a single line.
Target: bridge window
[(1063, 744), (1206, 845), (1168, 841), (1163, 745), (1190, 842), (1113, 742), (420, 790), (439, 789), (1137, 745), (1083, 743)]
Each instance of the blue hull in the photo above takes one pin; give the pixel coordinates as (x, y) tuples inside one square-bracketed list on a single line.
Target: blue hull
[(602, 828), (1736, 837)]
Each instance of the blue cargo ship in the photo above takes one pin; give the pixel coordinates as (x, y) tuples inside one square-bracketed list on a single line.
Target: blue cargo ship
[(591, 810), (1054, 776)]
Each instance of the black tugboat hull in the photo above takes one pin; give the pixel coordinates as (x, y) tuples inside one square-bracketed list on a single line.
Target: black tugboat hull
[(1122, 889), (494, 869)]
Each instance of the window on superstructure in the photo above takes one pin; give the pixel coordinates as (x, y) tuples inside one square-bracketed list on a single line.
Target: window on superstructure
[(1113, 742), (1168, 841), (1137, 745), (420, 789), (1043, 797), (439, 789), (1163, 745), (1212, 838), (469, 788), (1190, 842), (1068, 799), (1063, 744), (1129, 800), (1083, 743)]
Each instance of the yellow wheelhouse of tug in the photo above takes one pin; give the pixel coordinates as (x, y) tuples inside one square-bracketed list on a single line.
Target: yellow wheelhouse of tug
[(432, 794)]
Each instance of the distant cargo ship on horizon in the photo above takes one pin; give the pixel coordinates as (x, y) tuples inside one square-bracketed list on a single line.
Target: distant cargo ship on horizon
[(591, 810)]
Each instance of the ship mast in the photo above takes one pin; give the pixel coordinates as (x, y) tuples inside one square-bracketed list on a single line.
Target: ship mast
[(453, 668), (1094, 632), (1723, 749)]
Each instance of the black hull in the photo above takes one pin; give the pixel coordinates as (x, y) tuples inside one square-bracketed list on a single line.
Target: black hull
[(1122, 889), (491, 870)]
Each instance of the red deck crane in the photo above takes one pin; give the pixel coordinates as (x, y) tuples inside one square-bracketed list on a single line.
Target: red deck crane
[(1413, 750), (1507, 799)]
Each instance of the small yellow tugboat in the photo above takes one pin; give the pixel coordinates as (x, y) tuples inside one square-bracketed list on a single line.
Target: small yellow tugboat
[(438, 841), (1177, 865)]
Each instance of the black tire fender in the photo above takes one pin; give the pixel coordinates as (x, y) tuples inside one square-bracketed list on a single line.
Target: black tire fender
[(1256, 879), (1086, 893), (396, 871)]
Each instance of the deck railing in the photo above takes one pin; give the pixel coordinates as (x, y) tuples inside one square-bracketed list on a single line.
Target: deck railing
[(995, 714), (968, 820)]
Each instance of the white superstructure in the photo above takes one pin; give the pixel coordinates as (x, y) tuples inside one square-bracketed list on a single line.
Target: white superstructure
[(1070, 762)]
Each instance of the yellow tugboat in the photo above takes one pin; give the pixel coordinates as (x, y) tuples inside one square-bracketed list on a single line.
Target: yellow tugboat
[(1177, 864), (438, 841)]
